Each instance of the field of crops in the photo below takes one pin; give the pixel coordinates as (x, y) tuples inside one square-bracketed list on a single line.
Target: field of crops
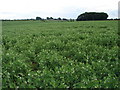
[(55, 54)]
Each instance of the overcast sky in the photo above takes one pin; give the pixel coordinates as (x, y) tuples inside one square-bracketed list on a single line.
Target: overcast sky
[(26, 9)]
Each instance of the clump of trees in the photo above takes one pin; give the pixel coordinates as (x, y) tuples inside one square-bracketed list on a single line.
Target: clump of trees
[(83, 17), (51, 18), (92, 16), (38, 18)]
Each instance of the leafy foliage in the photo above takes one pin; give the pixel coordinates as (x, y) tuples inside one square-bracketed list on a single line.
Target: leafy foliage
[(92, 16), (60, 54)]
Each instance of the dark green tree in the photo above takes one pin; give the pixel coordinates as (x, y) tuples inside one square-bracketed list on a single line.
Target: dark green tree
[(47, 18), (59, 18), (51, 17), (38, 18), (92, 16)]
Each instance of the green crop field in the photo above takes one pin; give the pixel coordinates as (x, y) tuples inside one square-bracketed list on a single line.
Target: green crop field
[(60, 54)]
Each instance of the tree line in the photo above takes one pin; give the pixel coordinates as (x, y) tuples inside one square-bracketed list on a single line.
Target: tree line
[(51, 18), (82, 17)]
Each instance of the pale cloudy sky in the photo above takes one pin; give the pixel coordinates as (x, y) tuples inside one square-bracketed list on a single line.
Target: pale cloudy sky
[(24, 9)]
